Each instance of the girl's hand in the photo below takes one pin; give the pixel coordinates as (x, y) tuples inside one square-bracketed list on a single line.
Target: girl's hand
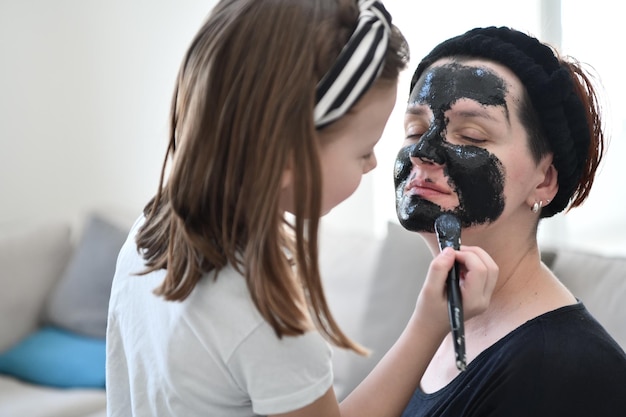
[(478, 276)]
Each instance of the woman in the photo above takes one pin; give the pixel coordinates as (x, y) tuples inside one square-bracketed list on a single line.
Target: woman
[(501, 132)]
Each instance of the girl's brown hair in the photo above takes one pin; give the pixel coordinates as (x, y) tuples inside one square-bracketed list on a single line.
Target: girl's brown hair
[(242, 111)]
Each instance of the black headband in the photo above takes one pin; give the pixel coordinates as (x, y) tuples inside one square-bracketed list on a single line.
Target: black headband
[(550, 89)]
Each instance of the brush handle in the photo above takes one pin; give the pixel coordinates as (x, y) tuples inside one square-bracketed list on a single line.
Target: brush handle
[(455, 313), (448, 229)]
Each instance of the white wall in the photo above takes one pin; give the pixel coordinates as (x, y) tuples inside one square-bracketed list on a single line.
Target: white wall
[(595, 35), (86, 85)]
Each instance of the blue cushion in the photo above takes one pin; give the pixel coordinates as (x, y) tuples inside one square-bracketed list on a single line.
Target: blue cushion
[(58, 358)]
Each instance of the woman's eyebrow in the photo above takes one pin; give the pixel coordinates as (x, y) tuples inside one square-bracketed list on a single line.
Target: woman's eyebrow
[(479, 113)]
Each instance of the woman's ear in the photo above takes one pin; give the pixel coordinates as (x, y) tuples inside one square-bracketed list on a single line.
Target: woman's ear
[(548, 184)]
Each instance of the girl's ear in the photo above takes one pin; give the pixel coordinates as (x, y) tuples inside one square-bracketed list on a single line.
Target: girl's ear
[(286, 188), (287, 177)]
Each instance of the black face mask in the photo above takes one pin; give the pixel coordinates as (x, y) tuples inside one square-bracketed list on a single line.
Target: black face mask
[(476, 175)]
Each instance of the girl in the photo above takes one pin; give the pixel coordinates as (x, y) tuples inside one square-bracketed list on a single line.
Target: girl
[(277, 109)]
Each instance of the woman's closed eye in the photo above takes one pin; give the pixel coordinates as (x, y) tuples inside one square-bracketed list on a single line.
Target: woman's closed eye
[(414, 136), (414, 133), (472, 140), (471, 136), (414, 130)]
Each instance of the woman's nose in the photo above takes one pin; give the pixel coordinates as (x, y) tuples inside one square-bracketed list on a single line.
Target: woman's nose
[(429, 148)]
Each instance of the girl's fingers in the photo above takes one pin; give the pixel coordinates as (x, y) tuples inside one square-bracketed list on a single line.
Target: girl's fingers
[(475, 259), (479, 277), (439, 267)]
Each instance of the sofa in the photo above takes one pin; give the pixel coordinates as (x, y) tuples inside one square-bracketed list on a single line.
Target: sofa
[(55, 284)]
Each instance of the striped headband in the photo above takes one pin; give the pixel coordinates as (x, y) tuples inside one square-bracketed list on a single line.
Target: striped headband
[(357, 66)]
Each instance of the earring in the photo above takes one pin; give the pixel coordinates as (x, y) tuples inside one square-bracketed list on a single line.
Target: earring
[(537, 206)]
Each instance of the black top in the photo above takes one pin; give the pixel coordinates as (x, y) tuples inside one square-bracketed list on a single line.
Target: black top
[(562, 363)]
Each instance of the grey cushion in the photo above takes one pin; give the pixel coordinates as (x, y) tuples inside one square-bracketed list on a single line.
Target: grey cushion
[(347, 262), (398, 278), (32, 262), (600, 283), (80, 300)]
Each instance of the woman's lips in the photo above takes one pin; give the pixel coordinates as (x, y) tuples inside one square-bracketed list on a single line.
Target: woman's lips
[(425, 189)]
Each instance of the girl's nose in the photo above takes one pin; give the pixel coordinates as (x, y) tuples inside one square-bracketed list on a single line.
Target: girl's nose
[(371, 163)]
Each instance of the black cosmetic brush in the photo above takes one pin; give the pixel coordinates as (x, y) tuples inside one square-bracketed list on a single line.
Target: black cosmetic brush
[(448, 229)]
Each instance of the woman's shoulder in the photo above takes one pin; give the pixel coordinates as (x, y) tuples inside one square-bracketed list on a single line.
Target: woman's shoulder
[(561, 337), (575, 323)]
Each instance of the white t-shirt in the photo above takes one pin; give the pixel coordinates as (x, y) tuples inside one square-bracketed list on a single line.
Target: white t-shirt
[(209, 355)]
